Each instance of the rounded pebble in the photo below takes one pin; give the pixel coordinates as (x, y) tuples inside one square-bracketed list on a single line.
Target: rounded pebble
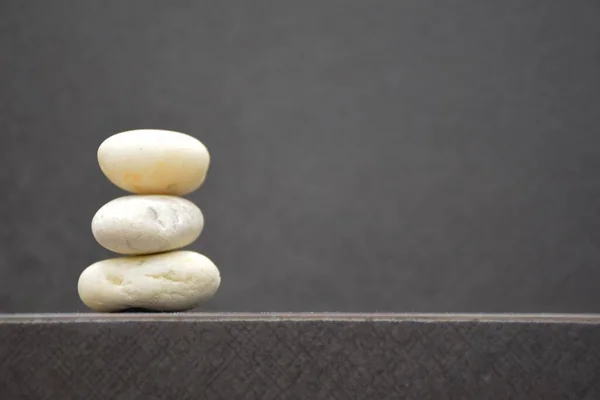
[(175, 281), (138, 224), (151, 161)]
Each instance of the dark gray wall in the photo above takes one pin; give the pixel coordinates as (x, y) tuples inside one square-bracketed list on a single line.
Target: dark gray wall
[(367, 155)]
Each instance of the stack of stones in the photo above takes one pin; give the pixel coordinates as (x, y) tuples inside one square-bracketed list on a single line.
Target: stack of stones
[(150, 227)]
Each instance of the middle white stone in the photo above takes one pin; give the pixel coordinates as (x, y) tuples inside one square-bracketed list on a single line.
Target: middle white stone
[(146, 224)]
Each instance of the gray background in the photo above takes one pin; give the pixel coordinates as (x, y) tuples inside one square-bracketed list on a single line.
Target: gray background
[(366, 155)]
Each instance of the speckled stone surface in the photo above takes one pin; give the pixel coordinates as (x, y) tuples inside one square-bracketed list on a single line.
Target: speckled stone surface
[(299, 356)]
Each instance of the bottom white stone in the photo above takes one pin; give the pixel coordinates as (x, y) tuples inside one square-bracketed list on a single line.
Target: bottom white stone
[(174, 281)]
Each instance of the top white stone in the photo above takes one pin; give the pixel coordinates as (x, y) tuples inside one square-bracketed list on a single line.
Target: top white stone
[(151, 161)]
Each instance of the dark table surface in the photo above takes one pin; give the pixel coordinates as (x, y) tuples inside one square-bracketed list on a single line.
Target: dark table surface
[(300, 356)]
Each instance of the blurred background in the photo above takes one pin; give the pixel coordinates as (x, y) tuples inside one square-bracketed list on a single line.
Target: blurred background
[(366, 155)]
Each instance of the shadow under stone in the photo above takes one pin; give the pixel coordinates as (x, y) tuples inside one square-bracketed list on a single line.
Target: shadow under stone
[(142, 310)]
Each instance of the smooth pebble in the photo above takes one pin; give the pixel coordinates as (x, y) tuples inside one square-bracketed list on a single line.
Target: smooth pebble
[(175, 281), (151, 161), (144, 224)]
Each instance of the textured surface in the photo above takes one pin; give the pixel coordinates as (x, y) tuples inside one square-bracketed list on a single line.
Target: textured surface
[(397, 155), (287, 357)]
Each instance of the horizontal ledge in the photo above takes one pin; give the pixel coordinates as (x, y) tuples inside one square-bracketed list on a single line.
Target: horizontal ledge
[(298, 317)]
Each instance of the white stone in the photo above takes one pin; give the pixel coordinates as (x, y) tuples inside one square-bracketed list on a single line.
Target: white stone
[(145, 224), (175, 281), (150, 161)]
